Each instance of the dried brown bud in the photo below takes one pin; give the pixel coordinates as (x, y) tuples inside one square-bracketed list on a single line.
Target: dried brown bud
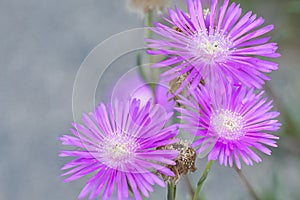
[(176, 83), (145, 6), (185, 161)]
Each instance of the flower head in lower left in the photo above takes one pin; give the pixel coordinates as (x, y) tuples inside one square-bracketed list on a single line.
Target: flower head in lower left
[(117, 144)]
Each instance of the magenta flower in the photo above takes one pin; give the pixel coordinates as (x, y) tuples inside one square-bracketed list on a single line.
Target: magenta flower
[(232, 123), (214, 44), (118, 145)]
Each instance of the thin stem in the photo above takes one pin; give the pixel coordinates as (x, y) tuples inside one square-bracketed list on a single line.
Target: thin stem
[(148, 23), (174, 192), (188, 185), (140, 68), (153, 75), (202, 179), (246, 183), (171, 192)]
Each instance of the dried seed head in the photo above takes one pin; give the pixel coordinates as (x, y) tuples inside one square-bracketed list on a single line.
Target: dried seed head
[(185, 161), (145, 6), (176, 83)]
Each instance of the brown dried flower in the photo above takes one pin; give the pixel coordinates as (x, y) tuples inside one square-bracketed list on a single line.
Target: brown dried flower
[(176, 83), (185, 161), (145, 6)]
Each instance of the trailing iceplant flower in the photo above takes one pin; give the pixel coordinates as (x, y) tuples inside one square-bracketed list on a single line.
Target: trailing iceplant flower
[(145, 6), (230, 124), (118, 145), (214, 43)]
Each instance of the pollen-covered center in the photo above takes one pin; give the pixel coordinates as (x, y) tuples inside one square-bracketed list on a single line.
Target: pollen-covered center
[(227, 124), (210, 48), (118, 149)]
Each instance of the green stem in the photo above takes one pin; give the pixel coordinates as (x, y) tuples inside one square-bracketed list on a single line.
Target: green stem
[(170, 192), (149, 32), (202, 179), (174, 192), (140, 68), (246, 183), (153, 76)]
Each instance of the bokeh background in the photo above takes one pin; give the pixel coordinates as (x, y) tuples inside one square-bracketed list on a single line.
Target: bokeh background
[(42, 46)]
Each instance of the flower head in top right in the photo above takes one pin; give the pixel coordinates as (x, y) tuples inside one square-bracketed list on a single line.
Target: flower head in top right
[(230, 124)]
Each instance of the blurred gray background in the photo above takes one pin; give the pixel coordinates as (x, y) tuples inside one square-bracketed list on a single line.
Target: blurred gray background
[(44, 42)]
